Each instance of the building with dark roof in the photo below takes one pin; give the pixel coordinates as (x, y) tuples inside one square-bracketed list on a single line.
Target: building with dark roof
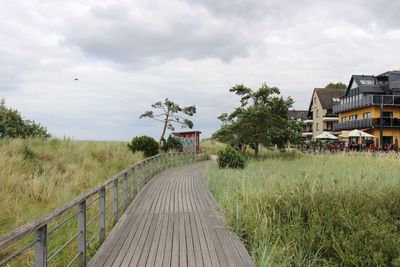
[(372, 103), (320, 112), (297, 115)]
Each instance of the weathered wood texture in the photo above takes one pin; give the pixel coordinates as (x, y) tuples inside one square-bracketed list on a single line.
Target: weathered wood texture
[(174, 221)]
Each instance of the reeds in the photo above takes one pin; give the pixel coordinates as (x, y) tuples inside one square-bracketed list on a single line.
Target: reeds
[(314, 210)]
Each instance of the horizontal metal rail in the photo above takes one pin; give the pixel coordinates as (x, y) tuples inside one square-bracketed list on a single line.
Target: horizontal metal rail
[(136, 175)]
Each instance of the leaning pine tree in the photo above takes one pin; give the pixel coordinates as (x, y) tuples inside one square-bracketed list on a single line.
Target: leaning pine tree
[(261, 118), (169, 113)]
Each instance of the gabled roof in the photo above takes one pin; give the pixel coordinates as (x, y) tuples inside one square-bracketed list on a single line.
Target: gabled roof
[(326, 96), (297, 114), (372, 88)]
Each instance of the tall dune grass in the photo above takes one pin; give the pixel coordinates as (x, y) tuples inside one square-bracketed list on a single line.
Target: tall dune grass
[(314, 210), (37, 176), (212, 146)]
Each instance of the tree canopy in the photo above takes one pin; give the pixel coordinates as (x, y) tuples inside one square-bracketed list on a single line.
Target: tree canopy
[(170, 113), (338, 85), (14, 126), (261, 118)]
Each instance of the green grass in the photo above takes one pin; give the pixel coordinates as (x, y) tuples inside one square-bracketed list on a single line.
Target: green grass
[(294, 210)]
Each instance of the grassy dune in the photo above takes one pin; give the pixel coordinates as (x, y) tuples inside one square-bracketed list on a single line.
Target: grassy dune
[(37, 176), (314, 210), (212, 146)]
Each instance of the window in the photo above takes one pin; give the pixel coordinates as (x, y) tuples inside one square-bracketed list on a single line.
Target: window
[(316, 113), (367, 82), (329, 126), (317, 126), (343, 119), (353, 118), (367, 115), (388, 114)]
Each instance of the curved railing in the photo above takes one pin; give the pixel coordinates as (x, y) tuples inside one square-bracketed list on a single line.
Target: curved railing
[(67, 235)]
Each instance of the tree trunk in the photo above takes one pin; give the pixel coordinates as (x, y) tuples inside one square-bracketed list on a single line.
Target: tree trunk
[(164, 129), (256, 149), (257, 139)]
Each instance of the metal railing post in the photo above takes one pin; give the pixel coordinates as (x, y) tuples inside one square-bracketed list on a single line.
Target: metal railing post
[(115, 200), (102, 216), (125, 191), (41, 247), (82, 234)]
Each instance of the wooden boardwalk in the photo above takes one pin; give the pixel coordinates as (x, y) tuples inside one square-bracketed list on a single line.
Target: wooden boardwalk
[(174, 221)]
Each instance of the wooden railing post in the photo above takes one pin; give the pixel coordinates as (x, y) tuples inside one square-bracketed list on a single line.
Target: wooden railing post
[(115, 201), (82, 234), (138, 177), (125, 191), (41, 247), (133, 183), (102, 216), (142, 173)]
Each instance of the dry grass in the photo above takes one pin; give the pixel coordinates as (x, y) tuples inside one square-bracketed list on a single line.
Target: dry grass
[(37, 176), (212, 146)]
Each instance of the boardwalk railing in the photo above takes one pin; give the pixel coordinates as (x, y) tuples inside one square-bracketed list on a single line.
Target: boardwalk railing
[(67, 235)]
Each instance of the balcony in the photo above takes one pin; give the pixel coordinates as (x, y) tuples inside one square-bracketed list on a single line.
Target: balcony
[(328, 119), (308, 121), (350, 103), (367, 123)]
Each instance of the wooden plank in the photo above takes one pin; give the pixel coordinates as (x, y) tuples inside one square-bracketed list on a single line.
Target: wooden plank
[(175, 241), (168, 241), (156, 240), (140, 259), (198, 255), (189, 242), (162, 243), (174, 222)]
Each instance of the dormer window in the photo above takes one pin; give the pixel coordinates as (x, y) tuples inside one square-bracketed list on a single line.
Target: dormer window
[(367, 82)]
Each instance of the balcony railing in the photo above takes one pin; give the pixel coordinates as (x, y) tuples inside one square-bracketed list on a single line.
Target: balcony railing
[(349, 103), (367, 123)]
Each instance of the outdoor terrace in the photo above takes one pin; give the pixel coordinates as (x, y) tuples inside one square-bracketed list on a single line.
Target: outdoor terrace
[(354, 102)]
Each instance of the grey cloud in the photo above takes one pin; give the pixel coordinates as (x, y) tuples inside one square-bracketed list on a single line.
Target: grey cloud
[(115, 34)]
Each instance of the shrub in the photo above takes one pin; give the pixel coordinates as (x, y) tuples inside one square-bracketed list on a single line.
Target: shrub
[(230, 158), (13, 125), (145, 144), (172, 143)]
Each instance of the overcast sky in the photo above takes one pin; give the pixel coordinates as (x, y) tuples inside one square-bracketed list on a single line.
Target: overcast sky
[(130, 54)]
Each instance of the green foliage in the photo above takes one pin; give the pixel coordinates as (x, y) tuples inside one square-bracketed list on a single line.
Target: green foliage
[(145, 144), (261, 118), (170, 113), (172, 143), (14, 126), (290, 213), (338, 85), (230, 158), (27, 152)]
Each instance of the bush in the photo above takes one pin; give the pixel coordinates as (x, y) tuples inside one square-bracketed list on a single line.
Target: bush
[(230, 158), (172, 143), (12, 125), (145, 144)]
